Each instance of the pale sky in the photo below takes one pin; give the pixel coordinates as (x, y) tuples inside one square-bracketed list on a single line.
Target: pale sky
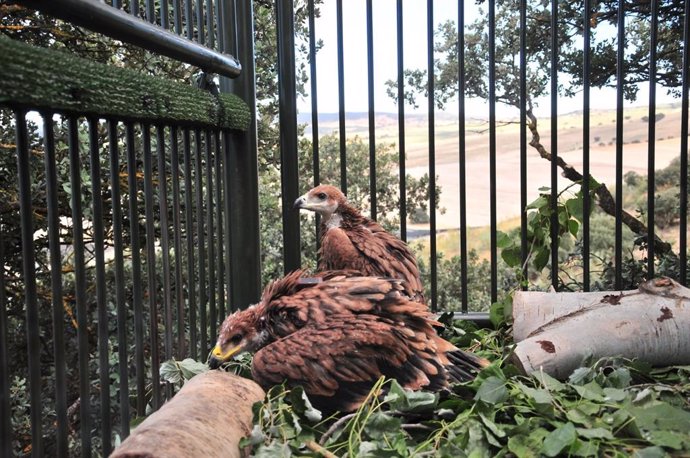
[(415, 43)]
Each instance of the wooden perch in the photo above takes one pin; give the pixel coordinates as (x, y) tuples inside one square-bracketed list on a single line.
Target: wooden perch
[(555, 332), (208, 417)]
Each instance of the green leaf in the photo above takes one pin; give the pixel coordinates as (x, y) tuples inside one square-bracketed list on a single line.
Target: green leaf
[(595, 433), (650, 452), (492, 390), (190, 368), (591, 391), (660, 416), (503, 240), (409, 401), (573, 227), (541, 202), (575, 207), (580, 375), (521, 447), (615, 394), (542, 257), (381, 424), (579, 417), (170, 372), (301, 404), (558, 439), (548, 382), (584, 448), (512, 256), (670, 439), (539, 396)]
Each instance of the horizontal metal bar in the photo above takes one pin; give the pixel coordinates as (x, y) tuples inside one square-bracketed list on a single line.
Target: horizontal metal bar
[(481, 319), (115, 23)]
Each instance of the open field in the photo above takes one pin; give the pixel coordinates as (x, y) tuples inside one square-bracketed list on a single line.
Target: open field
[(569, 142)]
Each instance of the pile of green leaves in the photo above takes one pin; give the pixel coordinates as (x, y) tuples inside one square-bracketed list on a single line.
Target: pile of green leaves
[(608, 407)]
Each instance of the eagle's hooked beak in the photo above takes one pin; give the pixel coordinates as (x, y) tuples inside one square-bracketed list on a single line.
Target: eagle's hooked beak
[(299, 203), (218, 357)]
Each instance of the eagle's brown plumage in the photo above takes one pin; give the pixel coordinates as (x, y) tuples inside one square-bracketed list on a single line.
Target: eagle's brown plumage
[(336, 335), (350, 240)]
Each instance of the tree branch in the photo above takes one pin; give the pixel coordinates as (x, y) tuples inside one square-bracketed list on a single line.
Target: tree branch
[(604, 198)]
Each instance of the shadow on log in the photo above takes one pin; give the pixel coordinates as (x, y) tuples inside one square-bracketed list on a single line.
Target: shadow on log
[(207, 418), (555, 332)]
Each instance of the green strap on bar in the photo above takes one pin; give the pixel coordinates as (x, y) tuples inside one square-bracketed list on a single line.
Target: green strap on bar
[(40, 78)]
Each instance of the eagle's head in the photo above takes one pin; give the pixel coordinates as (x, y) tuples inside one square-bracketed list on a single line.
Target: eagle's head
[(323, 199), (241, 332)]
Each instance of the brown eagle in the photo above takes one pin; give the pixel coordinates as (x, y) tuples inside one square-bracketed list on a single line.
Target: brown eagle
[(335, 335), (350, 240)]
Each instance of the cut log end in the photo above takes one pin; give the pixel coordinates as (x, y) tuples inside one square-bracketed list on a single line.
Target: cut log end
[(556, 332), (208, 417)]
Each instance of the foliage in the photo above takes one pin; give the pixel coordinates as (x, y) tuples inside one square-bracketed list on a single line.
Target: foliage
[(606, 408), (538, 51)]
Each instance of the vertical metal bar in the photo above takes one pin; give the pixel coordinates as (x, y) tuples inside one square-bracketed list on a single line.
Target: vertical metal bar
[(432, 149), (683, 236), (651, 143), (137, 288), (151, 266), (341, 98), (199, 193), (80, 284), (288, 133), (165, 242), (5, 409), (209, 25), (102, 306), (56, 285), (218, 234), (29, 269), (189, 233), (242, 172), (177, 241), (492, 149), (586, 198), (200, 22), (620, 62), (314, 107), (177, 16), (189, 19), (117, 4), (554, 143), (134, 7), (220, 23), (211, 239), (372, 114), (164, 14), (118, 247), (462, 157), (227, 151), (524, 247), (150, 11), (401, 123)]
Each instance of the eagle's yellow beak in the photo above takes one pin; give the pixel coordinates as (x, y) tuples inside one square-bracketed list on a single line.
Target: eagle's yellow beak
[(218, 357)]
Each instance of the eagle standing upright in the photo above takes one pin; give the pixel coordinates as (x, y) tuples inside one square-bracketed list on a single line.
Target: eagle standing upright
[(351, 241), (335, 336)]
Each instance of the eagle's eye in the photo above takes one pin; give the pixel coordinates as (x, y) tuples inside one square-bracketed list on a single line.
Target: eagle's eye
[(322, 195), (236, 339)]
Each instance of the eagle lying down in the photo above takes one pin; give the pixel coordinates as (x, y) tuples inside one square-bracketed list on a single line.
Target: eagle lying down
[(352, 241), (336, 335)]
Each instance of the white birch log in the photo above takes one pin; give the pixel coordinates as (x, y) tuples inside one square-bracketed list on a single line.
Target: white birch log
[(207, 418), (651, 324)]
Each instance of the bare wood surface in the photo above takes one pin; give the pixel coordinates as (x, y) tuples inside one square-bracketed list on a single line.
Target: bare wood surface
[(557, 331), (207, 418)]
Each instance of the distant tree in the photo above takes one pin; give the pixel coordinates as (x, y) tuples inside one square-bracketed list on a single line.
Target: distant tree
[(570, 64)]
